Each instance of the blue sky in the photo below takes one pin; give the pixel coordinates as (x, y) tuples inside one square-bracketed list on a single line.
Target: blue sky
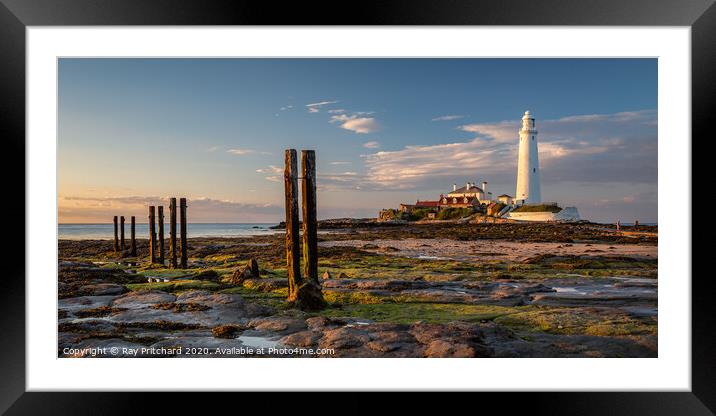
[(385, 131)]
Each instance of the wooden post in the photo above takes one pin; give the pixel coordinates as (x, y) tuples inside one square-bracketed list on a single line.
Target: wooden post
[(121, 233), (293, 262), (310, 223), (133, 252), (160, 222), (182, 231), (173, 233), (116, 244), (152, 236)]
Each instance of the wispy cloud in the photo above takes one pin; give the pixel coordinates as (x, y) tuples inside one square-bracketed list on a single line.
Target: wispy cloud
[(316, 107), (600, 147), (273, 171), (339, 162), (241, 152), (286, 107), (447, 118), (371, 145), (212, 148)]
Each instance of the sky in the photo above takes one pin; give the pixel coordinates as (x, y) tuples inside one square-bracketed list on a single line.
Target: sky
[(133, 132)]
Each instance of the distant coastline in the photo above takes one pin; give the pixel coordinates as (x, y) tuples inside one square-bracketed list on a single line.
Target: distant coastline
[(106, 232)]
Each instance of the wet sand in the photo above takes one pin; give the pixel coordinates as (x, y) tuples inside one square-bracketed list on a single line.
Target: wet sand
[(487, 250)]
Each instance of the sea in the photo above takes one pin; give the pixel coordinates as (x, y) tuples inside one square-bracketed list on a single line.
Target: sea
[(106, 231)]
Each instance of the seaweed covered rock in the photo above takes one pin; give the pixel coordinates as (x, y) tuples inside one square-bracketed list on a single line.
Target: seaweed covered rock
[(240, 275), (309, 297), (210, 275), (225, 331), (250, 271)]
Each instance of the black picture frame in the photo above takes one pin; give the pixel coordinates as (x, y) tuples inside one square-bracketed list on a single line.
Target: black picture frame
[(16, 15)]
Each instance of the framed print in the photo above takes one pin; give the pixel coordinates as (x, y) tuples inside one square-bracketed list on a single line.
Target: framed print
[(407, 198)]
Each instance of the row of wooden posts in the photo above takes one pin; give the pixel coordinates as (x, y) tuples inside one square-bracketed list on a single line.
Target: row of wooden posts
[(156, 242)]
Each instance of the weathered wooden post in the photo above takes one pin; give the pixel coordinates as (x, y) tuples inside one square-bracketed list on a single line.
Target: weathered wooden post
[(293, 262), (121, 233), (152, 236), (310, 223), (173, 233), (182, 231), (133, 248), (160, 222), (116, 244)]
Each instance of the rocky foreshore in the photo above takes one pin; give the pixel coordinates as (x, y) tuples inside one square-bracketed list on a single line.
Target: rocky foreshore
[(432, 290)]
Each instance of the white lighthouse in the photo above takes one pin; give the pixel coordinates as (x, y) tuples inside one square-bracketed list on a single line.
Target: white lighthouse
[(528, 182)]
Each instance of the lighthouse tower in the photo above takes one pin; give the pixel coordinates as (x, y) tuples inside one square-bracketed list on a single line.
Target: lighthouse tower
[(528, 183)]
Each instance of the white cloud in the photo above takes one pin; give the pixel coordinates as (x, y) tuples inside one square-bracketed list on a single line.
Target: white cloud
[(371, 145), (354, 123), (447, 118), (212, 148), (270, 169), (340, 162), (287, 107)]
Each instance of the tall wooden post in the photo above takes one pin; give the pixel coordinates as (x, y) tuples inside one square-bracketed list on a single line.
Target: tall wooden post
[(182, 231), (173, 233), (293, 262), (133, 246), (116, 243), (310, 223), (160, 222), (121, 233), (152, 236)]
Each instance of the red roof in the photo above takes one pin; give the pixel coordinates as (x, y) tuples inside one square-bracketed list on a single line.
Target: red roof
[(427, 204)]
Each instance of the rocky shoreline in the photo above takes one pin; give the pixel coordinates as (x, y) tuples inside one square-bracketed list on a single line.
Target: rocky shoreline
[(420, 290)]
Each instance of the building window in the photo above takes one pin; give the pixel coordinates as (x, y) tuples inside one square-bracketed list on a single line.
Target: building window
[(533, 137), (534, 170)]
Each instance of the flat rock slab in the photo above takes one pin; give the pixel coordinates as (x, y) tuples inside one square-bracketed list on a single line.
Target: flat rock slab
[(278, 324), (103, 289), (543, 345), (84, 302), (390, 340), (143, 299), (221, 309)]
